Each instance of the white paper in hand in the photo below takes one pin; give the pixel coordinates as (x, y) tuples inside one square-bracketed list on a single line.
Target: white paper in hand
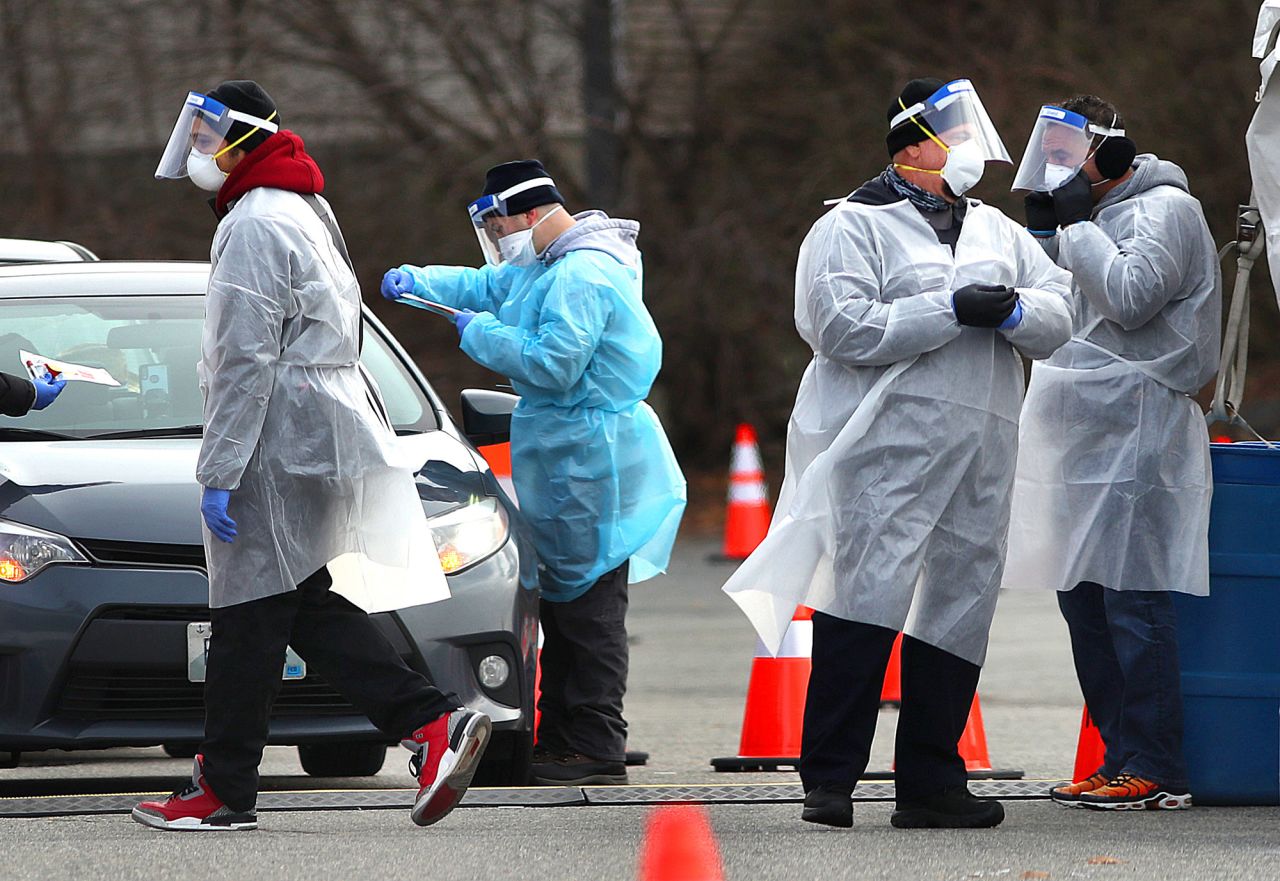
[(37, 365)]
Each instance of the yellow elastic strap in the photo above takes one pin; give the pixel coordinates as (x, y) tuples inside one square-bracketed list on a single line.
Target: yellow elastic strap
[(931, 135), (251, 132), (921, 170)]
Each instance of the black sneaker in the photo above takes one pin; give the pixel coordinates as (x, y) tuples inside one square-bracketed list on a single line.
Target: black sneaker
[(828, 805), (579, 770), (954, 808)]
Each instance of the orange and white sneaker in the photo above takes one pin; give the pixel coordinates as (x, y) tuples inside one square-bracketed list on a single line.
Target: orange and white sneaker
[(1069, 794), (1130, 793)]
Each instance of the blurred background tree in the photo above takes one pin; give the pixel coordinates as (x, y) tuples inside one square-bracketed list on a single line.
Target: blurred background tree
[(721, 125)]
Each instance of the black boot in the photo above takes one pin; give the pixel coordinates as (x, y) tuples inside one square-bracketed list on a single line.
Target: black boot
[(579, 770), (954, 808), (829, 805)]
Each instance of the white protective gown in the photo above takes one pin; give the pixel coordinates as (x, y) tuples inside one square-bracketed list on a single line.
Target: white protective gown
[(901, 446), (295, 428), (1113, 482)]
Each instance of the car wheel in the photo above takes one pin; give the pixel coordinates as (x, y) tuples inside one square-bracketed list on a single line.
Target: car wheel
[(181, 750), (342, 759), (506, 761)]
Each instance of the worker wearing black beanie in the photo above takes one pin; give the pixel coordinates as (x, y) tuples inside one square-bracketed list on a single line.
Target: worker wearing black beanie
[(917, 303)]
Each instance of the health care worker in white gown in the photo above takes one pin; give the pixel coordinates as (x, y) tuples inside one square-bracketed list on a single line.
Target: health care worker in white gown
[(900, 453), (559, 309), (1111, 500), (308, 497)]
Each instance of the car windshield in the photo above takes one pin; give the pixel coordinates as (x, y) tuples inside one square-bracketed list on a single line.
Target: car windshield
[(150, 345)]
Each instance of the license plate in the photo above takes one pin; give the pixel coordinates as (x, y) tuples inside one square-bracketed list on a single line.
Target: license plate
[(198, 655)]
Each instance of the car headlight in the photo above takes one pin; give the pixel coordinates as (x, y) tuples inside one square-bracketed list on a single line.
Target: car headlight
[(470, 533), (25, 550)]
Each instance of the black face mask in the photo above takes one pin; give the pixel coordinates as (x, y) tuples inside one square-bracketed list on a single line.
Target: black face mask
[(1114, 157)]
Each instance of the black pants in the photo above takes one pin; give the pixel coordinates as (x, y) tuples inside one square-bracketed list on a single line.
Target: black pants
[(1125, 645), (337, 640), (843, 703), (584, 671)]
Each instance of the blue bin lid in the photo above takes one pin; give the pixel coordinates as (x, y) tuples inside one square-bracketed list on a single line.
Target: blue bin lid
[(1248, 462)]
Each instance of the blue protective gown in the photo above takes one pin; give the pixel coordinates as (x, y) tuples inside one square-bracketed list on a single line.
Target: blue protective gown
[(593, 469)]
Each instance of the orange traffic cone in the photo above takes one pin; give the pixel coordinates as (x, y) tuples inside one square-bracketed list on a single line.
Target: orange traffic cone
[(747, 520), (773, 721), (1090, 750), (891, 693), (973, 749), (973, 742), (679, 846), (499, 458), (537, 687)]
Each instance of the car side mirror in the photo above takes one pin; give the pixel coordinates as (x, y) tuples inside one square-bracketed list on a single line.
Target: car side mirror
[(486, 416)]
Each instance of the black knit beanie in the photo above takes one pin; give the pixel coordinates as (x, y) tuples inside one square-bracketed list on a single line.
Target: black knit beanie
[(508, 174), (247, 97), (907, 132)]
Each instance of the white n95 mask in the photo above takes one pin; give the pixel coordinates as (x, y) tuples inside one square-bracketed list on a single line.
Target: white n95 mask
[(964, 167), (204, 172), (1057, 175), (517, 248)]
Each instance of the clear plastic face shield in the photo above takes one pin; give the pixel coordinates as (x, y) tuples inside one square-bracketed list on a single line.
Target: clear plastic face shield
[(1058, 148), (202, 128), (955, 113), (953, 117), (487, 208)]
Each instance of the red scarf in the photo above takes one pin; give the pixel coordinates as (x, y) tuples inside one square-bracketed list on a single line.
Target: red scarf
[(281, 162)]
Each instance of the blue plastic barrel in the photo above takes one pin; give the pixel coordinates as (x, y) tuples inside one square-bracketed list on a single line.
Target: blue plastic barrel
[(1229, 641)]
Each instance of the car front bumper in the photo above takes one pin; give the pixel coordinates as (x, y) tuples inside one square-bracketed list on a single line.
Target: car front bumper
[(96, 656)]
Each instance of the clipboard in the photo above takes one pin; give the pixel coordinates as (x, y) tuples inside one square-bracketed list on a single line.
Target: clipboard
[(428, 305)]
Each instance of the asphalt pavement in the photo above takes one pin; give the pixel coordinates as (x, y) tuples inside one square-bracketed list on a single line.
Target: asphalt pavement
[(691, 658)]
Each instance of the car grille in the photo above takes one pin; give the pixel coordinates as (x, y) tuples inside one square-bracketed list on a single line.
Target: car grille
[(155, 613), (129, 695), (140, 553)]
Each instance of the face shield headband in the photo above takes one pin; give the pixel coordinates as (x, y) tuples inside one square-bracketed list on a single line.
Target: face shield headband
[(202, 126), (496, 205)]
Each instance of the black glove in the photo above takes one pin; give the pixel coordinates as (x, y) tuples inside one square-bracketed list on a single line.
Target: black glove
[(1042, 220), (984, 305), (1073, 201)]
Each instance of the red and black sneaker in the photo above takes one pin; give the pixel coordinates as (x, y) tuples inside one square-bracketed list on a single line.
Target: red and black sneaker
[(446, 754), (194, 808)]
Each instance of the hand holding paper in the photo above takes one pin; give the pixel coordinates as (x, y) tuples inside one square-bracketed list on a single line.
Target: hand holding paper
[(38, 365)]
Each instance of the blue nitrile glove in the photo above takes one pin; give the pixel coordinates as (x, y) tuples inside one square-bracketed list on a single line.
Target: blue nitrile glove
[(47, 388), (462, 319), (396, 283), (213, 506), (1014, 319)]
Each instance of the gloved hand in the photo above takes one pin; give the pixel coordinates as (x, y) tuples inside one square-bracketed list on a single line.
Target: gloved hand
[(462, 319), (213, 506), (1042, 219), (47, 388), (396, 283), (984, 305), (1073, 201)]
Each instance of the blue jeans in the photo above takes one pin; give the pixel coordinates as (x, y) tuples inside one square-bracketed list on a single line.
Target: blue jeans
[(1125, 645)]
